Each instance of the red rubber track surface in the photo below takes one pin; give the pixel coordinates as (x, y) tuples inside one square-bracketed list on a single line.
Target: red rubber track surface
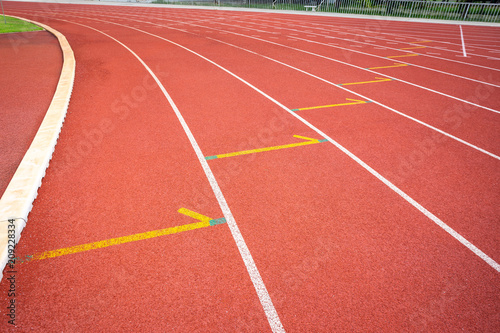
[(337, 249), (30, 63)]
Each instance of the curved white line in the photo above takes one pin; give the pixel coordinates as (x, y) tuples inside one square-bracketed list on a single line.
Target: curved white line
[(265, 299), (492, 263)]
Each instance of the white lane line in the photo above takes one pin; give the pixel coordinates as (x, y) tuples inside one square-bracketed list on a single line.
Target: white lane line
[(377, 56), (343, 88), (356, 33), (393, 187), (429, 54), (375, 72), (389, 42), (463, 42), (425, 54), (422, 87), (366, 98), (403, 62), (255, 276)]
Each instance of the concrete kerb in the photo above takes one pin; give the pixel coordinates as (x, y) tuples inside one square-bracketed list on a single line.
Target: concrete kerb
[(17, 200)]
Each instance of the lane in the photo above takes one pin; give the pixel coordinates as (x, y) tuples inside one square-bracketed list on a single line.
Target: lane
[(449, 118), (408, 28), (104, 182), (376, 35), (347, 55), (357, 40), (338, 34), (371, 26), (339, 39)]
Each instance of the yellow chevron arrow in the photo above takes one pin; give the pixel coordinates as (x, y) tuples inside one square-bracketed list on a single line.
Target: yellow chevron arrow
[(204, 219), (380, 79), (308, 141), (404, 55), (354, 101), (395, 65), (205, 222)]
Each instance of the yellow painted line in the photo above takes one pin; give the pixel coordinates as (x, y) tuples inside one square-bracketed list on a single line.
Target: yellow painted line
[(195, 215), (355, 101), (205, 222), (414, 47), (404, 55), (308, 141), (395, 65), (380, 79)]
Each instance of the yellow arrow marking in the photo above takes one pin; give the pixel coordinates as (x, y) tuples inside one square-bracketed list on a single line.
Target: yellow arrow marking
[(404, 55), (196, 216), (308, 141), (414, 47), (355, 101), (380, 79), (395, 65), (205, 222)]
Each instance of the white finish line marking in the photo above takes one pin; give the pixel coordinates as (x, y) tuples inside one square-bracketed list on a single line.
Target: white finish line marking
[(463, 42)]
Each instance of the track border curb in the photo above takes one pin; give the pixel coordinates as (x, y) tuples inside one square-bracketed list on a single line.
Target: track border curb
[(17, 200)]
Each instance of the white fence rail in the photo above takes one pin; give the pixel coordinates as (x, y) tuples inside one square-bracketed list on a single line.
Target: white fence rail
[(463, 11)]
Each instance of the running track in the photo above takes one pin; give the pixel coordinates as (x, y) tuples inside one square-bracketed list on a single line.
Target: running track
[(384, 219)]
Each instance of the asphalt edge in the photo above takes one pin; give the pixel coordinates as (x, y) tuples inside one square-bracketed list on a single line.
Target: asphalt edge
[(17, 200)]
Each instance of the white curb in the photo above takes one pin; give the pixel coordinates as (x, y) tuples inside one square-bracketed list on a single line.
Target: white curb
[(17, 200)]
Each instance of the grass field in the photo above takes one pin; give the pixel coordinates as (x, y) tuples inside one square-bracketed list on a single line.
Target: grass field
[(15, 25)]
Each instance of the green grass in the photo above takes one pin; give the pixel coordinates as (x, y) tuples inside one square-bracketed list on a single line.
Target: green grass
[(15, 25)]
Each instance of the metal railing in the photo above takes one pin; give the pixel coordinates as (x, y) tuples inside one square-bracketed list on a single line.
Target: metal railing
[(464, 11)]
